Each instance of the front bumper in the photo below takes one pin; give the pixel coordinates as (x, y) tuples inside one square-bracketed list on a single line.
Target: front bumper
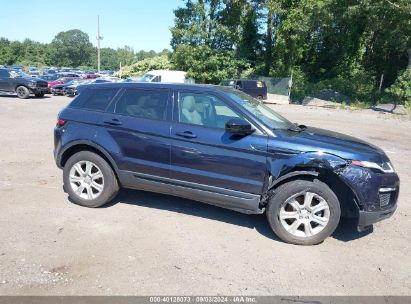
[(376, 194), (38, 90), (367, 218)]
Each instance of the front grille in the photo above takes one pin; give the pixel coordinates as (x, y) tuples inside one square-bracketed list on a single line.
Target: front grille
[(385, 199), (42, 84)]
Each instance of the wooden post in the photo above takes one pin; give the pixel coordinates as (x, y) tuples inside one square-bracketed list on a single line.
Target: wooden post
[(381, 82)]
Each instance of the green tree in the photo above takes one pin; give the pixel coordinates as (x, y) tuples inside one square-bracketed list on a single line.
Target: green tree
[(204, 64), (126, 55), (71, 48), (109, 59), (401, 89), (160, 62)]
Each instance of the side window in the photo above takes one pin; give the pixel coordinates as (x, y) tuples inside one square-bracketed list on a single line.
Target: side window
[(92, 99), (204, 110), (4, 74), (99, 99), (149, 104), (156, 79)]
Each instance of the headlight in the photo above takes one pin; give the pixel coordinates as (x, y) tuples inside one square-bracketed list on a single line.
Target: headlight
[(32, 84), (383, 167)]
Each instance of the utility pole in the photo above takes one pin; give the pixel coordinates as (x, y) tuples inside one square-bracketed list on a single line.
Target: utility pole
[(99, 38)]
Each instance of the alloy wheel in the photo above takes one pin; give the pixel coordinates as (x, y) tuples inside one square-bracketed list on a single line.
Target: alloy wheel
[(86, 180), (304, 214), (21, 92)]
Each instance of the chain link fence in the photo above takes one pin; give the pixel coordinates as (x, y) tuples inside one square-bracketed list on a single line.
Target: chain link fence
[(278, 86)]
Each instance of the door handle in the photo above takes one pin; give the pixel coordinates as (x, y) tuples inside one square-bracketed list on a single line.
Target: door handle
[(113, 122), (186, 134)]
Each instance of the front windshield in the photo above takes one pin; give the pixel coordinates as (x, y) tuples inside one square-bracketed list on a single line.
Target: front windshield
[(15, 74), (268, 116)]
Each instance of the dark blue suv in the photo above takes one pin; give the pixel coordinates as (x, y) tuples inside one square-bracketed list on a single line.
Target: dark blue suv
[(220, 146)]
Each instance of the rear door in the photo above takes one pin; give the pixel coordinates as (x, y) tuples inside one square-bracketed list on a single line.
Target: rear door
[(139, 124), (204, 154)]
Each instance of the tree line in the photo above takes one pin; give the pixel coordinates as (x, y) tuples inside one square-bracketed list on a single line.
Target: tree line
[(354, 46), (361, 48), (69, 49)]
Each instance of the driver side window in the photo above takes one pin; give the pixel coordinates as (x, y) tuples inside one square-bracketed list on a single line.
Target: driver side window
[(204, 110)]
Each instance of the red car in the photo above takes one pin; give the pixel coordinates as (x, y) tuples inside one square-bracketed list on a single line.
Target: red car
[(90, 76), (61, 80), (54, 82)]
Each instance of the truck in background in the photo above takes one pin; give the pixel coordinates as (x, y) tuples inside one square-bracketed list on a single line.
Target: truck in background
[(166, 76)]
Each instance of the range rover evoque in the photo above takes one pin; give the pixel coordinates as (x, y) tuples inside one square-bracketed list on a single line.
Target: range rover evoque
[(220, 146)]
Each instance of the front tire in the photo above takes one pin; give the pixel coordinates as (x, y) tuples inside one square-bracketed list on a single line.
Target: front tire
[(89, 180), (22, 92), (40, 95), (303, 212)]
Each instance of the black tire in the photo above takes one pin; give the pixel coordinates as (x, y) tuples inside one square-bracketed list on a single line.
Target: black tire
[(111, 186), (22, 92), (259, 97), (279, 198), (40, 95)]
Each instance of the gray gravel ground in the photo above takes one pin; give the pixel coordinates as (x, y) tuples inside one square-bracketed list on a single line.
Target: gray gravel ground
[(150, 244)]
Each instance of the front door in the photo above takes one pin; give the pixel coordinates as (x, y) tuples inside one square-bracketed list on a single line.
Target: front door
[(204, 154), (5, 80)]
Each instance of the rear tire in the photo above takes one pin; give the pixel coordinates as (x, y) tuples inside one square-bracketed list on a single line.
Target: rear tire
[(303, 212), (22, 92), (89, 180)]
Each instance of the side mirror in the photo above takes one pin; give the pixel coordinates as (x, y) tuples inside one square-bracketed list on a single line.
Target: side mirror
[(238, 126)]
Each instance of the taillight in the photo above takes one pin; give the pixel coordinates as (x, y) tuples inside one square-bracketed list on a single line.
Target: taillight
[(60, 123)]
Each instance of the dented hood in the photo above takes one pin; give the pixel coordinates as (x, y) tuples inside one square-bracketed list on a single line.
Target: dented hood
[(320, 140)]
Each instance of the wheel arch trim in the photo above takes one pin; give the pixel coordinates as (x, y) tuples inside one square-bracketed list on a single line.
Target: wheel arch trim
[(91, 144)]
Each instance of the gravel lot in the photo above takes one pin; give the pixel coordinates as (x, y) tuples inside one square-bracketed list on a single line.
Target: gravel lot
[(149, 244)]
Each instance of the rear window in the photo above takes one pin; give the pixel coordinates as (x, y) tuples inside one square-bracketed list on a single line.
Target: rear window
[(94, 99), (148, 104)]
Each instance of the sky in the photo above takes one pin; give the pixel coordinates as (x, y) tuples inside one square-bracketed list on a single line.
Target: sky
[(141, 24)]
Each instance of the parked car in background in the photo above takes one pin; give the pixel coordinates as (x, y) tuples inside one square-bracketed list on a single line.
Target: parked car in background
[(106, 72), (33, 71), (12, 81), (72, 89), (90, 75), (49, 72), (58, 89), (166, 76), (60, 80), (63, 78), (48, 78), (69, 75), (18, 68), (254, 88), (220, 146)]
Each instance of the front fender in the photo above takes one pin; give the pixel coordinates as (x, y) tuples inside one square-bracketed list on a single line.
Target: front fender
[(310, 163)]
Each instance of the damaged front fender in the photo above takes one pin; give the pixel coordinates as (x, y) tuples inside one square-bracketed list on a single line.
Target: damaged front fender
[(285, 164)]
